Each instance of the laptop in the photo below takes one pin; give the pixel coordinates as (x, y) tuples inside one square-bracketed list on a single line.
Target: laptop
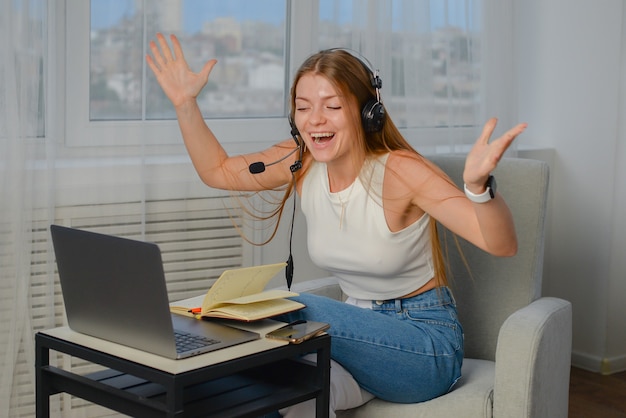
[(114, 289)]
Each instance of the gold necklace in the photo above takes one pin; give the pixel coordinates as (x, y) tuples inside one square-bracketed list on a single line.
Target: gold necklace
[(344, 203)]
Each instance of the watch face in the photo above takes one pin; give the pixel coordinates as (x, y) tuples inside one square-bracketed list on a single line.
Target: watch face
[(491, 184)]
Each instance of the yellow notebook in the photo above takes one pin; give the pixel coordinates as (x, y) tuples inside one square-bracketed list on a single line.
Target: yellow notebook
[(239, 294)]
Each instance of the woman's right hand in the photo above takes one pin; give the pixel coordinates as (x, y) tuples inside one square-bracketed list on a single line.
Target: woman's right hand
[(179, 83)]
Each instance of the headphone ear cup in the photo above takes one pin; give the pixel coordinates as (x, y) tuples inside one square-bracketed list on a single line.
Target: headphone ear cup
[(373, 116)]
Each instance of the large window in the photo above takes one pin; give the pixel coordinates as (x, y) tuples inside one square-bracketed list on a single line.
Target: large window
[(428, 53), (113, 98)]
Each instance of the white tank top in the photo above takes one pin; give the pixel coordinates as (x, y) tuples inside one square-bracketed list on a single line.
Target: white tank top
[(348, 236)]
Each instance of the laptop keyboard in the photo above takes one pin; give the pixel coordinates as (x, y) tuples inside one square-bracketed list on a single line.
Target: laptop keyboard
[(187, 342)]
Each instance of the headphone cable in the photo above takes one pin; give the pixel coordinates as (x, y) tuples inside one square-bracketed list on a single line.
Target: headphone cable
[(289, 268)]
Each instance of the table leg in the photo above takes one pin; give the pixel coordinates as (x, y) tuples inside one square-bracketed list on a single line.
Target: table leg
[(174, 399), (42, 395), (322, 401)]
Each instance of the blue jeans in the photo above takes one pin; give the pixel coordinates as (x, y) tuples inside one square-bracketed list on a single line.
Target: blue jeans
[(403, 350)]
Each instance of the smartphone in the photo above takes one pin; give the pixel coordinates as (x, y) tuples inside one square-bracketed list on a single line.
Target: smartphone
[(299, 331)]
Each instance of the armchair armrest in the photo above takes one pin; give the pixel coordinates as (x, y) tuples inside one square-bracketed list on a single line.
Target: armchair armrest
[(533, 360)]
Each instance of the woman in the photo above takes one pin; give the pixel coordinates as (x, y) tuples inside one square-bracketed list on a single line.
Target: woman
[(371, 202)]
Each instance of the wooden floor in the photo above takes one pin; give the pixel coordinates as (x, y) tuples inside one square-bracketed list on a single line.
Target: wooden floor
[(593, 395)]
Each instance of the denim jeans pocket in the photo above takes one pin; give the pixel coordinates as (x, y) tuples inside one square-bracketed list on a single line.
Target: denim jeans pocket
[(442, 321), (444, 315)]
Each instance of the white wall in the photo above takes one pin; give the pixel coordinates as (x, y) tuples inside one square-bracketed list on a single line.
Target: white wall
[(570, 66)]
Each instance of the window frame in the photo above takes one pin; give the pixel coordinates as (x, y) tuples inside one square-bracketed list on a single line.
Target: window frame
[(140, 132)]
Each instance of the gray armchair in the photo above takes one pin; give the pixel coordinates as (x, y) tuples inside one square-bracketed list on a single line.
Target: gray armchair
[(517, 343)]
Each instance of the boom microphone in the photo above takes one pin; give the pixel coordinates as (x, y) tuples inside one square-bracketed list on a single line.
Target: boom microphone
[(260, 166), (256, 168)]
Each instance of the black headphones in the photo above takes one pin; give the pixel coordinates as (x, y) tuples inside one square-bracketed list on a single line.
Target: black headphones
[(373, 114)]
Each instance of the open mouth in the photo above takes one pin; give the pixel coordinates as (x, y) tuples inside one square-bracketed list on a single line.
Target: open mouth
[(322, 137)]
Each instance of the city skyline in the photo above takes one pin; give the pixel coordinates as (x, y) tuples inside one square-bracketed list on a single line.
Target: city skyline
[(196, 13)]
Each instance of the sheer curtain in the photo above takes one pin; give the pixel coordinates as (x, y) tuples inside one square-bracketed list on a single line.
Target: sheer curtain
[(24, 188), (142, 191), (439, 83)]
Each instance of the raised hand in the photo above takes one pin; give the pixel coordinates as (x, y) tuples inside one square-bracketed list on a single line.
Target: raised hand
[(484, 155), (179, 83)]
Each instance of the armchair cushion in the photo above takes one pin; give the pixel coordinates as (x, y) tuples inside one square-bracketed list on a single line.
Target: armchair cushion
[(472, 397)]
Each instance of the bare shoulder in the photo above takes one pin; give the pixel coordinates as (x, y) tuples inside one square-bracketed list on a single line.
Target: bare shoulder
[(406, 163), (411, 174)]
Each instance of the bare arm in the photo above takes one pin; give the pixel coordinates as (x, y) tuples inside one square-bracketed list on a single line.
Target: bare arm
[(487, 225), (214, 166)]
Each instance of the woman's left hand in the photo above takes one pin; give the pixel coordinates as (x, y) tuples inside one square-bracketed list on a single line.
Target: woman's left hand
[(484, 155)]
